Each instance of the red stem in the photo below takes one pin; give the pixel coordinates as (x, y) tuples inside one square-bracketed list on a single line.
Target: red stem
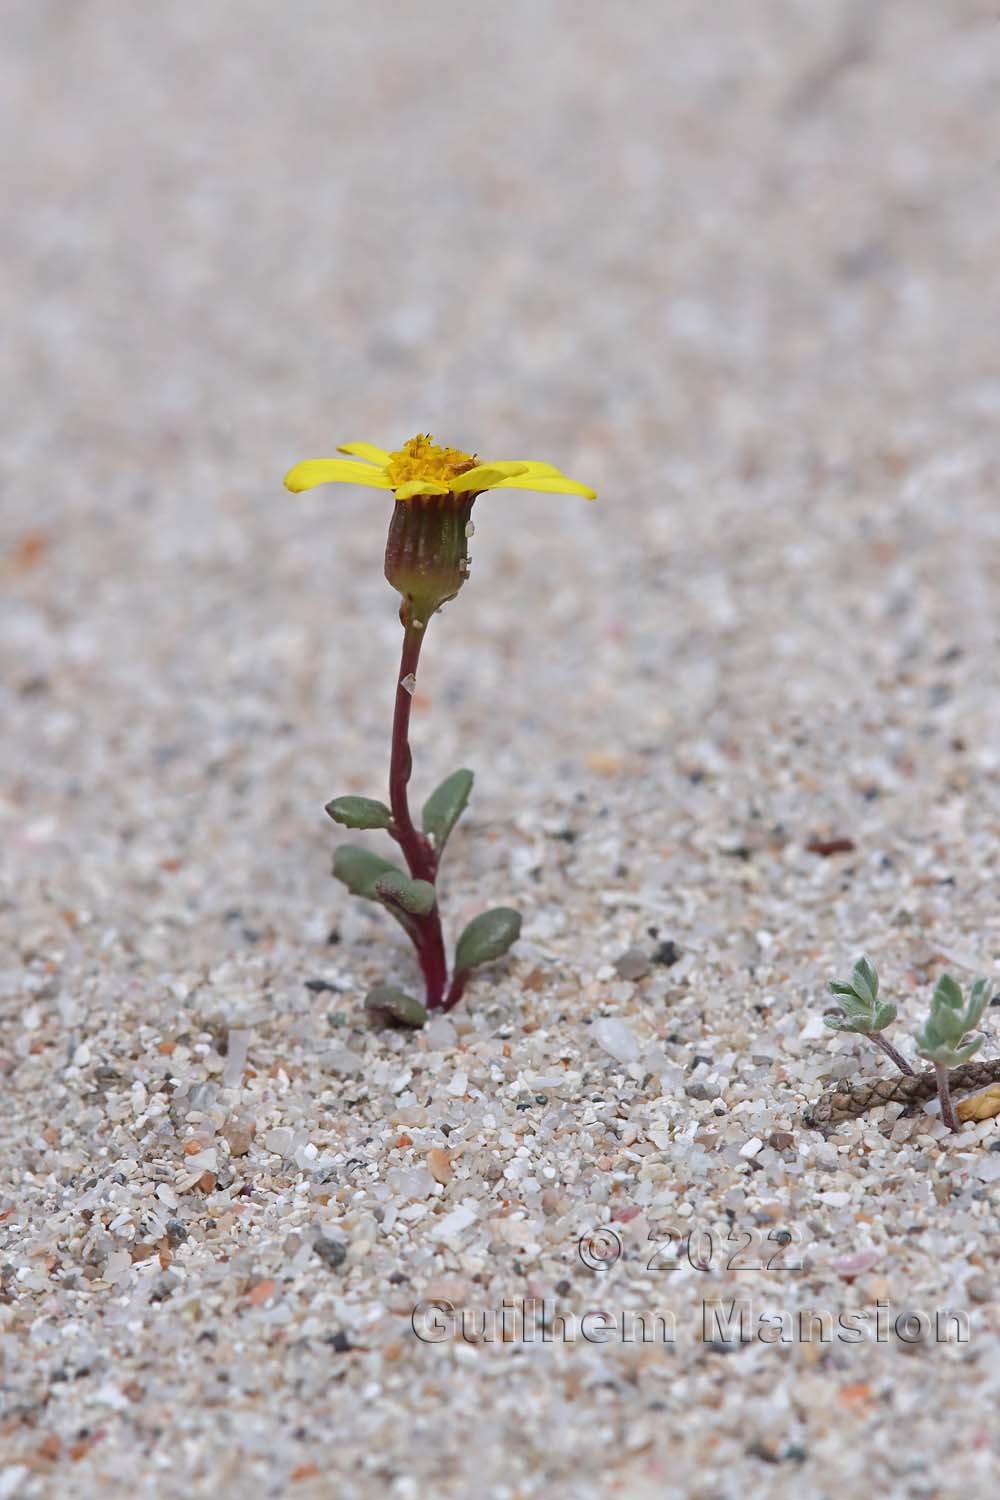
[(417, 848), (458, 982)]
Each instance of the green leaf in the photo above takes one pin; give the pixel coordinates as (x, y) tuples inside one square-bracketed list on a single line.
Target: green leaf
[(445, 806), (979, 998), (929, 1038), (947, 1056), (416, 897), (948, 1024), (359, 812), (388, 1006), (884, 1016), (864, 980), (836, 1022), (487, 937), (947, 992), (359, 869), (837, 987)]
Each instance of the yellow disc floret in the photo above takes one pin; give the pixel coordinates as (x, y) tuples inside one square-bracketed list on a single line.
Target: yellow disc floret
[(422, 458)]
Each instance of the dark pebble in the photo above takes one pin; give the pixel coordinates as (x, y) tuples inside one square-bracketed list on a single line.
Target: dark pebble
[(332, 1253), (163, 1286)]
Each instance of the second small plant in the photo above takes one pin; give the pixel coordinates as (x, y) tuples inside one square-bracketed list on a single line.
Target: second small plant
[(943, 1040)]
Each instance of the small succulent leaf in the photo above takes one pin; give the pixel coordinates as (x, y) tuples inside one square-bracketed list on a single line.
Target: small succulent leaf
[(947, 992), (948, 1023), (979, 998), (416, 897), (865, 980), (388, 1006), (927, 1039), (945, 1049), (360, 868), (445, 806), (838, 987), (487, 937), (408, 923), (949, 1057), (359, 812), (835, 1022)]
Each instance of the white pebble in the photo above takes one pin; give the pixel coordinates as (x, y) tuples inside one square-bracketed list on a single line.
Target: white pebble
[(614, 1037), (452, 1225)]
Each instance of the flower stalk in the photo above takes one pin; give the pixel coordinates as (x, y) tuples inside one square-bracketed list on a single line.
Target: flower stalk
[(417, 848)]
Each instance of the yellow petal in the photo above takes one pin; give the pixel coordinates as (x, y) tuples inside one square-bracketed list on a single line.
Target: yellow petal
[(367, 451), (421, 487), (313, 471), (509, 466), (546, 484), (486, 476)]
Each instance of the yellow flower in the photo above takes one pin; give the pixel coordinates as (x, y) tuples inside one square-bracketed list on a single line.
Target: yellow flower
[(421, 467)]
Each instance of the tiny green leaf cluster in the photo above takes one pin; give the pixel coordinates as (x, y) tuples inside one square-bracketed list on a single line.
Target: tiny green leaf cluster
[(942, 1038), (859, 1008)]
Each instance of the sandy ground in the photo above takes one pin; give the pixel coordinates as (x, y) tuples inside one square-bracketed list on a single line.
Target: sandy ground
[(735, 266)]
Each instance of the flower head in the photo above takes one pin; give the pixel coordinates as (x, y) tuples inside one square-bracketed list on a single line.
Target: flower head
[(423, 468)]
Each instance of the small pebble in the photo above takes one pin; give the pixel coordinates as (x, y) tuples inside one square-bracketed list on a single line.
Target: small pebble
[(439, 1165), (615, 1038), (331, 1252), (238, 1135), (633, 964)]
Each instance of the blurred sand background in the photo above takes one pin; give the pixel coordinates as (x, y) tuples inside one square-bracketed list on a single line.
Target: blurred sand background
[(736, 266)]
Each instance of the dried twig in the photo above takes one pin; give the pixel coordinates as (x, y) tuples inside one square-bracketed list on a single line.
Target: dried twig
[(849, 1100)]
